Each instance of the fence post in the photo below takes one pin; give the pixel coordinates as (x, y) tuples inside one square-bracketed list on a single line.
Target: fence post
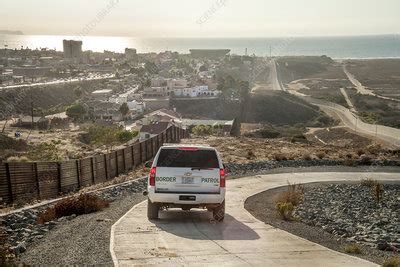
[(92, 168), (133, 157), (37, 178), (140, 152), (116, 163), (106, 166), (59, 176), (10, 193), (78, 173), (123, 159)]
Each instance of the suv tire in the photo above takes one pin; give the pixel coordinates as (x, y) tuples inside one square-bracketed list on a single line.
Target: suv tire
[(152, 210), (219, 212)]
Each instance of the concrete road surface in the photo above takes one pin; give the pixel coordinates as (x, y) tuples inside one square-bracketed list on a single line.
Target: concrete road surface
[(192, 238)]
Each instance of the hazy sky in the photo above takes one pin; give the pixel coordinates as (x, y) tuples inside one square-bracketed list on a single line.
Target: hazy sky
[(201, 18)]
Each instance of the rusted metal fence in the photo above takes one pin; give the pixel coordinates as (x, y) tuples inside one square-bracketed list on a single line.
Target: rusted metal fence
[(26, 181)]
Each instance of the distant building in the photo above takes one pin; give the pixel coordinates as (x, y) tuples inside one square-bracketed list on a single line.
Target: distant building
[(130, 53), (197, 91), (151, 130), (72, 49)]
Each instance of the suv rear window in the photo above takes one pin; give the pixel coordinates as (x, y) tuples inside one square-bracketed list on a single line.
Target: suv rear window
[(204, 159)]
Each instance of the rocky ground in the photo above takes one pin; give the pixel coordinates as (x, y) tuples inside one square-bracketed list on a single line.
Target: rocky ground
[(351, 211), (23, 231), (263, 207)]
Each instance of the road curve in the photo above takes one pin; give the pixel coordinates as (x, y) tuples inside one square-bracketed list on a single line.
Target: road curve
[(192, 238), (349, 119)]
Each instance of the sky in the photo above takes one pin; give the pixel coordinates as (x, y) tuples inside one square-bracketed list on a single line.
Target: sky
[(201, 18)]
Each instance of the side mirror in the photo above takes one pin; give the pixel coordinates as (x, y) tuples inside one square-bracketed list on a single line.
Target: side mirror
[(148, 164)]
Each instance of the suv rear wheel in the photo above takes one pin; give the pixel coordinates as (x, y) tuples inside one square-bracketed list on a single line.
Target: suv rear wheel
[(219, 212), (152, 210)]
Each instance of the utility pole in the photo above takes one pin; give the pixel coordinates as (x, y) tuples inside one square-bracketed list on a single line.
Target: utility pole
[(32, 122)]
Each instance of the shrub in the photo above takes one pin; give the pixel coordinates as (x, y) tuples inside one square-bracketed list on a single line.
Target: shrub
[(392, 262), (44, 152), (377, 190), (321, 154), (76, 111), (279, 156), (82, 204), (368, 182), (293, 194), (125, 136), (353, 249), (7, 258), (360, 152), (306, 157), (285, 210), (250, 154)]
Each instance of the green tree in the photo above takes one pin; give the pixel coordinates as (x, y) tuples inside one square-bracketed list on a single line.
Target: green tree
[(125, 136), (76, 112)]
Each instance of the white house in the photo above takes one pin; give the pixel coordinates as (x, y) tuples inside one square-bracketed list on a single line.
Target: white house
[(136, 106), (197, 91)]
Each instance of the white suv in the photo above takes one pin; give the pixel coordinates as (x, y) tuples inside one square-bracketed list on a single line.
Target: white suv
[(186, 176)]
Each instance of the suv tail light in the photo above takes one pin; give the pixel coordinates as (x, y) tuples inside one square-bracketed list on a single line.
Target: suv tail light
[(221, 178), (152, 177)]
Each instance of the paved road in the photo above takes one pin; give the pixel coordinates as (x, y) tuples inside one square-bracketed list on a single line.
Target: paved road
[(349, 119), (191, 238), (74, 80)]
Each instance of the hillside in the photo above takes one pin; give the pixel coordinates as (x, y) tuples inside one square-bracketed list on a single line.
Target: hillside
[(274, 108)]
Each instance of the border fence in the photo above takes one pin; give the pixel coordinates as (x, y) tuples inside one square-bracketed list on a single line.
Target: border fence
[(26, 181)]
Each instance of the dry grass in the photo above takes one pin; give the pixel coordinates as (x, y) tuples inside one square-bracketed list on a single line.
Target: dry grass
[(279, 156), (368, 182), (377, 191), (321, 154), (293, 194), (285, 210), (82, 204), (353, 249), (7, 258), (392, 262)]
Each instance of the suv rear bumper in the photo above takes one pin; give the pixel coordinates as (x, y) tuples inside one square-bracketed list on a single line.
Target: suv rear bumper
[(174, 198)]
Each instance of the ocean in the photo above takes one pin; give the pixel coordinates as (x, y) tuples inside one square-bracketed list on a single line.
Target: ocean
[(380, 46)]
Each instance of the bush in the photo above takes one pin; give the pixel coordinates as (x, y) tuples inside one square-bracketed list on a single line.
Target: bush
[(368, 182), (279, 156), (285, 210), (321, 154), (293, 194), (307, 157), (353, 249), (125, 136), (44, 152), (76, 111), (203, 130), (7, 258), (250, 155), (82, 204), (377, 190), (392, 262)]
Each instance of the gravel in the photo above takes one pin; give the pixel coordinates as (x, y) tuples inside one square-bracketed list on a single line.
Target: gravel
[(350, 211), (263, 207), (236, 169), (72, 239)]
